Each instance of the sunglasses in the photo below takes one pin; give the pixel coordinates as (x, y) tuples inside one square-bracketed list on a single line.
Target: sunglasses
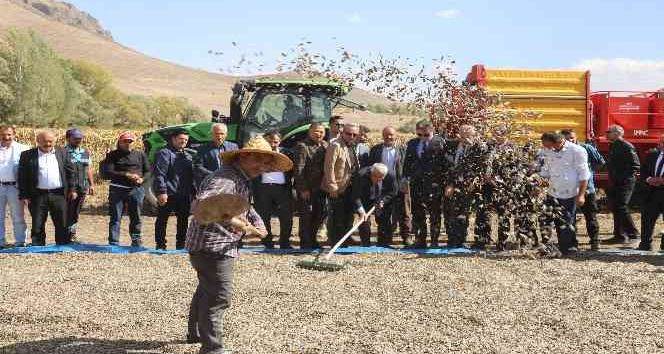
[(423, 135)]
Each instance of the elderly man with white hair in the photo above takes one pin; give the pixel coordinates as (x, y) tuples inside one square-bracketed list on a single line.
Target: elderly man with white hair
[(623, 164), (207, 159), (373, 186)]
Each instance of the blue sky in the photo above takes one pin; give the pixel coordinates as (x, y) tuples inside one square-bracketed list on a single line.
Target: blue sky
[(622, 42)]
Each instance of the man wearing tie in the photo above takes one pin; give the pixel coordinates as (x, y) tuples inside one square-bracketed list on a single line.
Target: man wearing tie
[(47, 179), (207, 160), (392, 155), (273, 197), (652, 173), (374, 187)]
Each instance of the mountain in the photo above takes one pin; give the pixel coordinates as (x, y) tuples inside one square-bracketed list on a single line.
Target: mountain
[(75, 34)]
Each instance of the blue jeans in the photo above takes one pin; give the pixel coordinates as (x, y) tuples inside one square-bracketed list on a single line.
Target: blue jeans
[(117, 198), (563, 216), (9, 196)]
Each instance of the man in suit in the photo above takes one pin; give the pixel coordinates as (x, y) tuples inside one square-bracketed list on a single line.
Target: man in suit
[(307, 177), (273, 197), (623, 164), (374, 187), (469, 160), (418, 166), (207, 159), (339, 167), (392, 155), (652, 174), (47, 179)]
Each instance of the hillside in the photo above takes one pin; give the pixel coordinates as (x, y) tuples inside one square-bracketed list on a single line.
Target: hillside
[(133, 72)]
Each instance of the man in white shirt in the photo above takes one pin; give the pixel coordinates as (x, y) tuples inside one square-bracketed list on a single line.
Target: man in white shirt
[(46, 180), (273, 197), (566, 168), (10, 153)]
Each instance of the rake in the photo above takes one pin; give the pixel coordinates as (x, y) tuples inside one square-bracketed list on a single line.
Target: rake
[(326, 263)]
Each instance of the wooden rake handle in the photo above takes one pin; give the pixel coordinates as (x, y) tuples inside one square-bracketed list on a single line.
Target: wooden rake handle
[(347, 235)]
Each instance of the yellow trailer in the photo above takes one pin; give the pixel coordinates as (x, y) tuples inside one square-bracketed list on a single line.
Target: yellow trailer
[(552, 99)]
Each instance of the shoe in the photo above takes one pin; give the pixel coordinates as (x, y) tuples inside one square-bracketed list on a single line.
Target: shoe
[(452, 245), (434, 244), (617, 241), (193, 339), (479, 246), (19, 245), (634, 239), (418, 245), (161, 248), (137, 243), (594, 246), (644, 246), (406, 241), (572, 251), (267, 242), (285, 246)]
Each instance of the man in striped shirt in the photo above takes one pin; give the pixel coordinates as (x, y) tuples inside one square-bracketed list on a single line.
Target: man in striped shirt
[(213, 247)]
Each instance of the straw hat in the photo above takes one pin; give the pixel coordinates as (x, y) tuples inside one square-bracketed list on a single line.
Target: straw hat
[(219, 208), (258, 146)]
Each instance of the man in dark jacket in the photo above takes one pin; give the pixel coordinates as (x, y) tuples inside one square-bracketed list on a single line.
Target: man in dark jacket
[(374, 187), (207, 159), (307, 177), (46, 180), (652, 174), (126, 168), (623, 164), (173, 185), (392, 155), (418, 166)]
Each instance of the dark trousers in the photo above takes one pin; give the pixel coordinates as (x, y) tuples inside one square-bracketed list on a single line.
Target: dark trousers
[(43, 203), (402, 215), (589, 210), (383, 218), (118, 198), (425, 198), (340, 219), (619, 195), (73, 211), (211, 298), (311, 218), (275, 199), (524, 225), (651, 210), (457, 218), (560, 213), (181, 206)]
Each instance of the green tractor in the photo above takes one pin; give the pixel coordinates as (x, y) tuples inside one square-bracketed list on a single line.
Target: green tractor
[(259, 106)]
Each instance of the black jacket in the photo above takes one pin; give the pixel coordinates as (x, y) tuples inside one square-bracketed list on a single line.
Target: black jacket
[(173, 173), (118, 162), (206, 159), (28, 172), (418, 167), (649, 166), (623, 162), (376, 156), (362, 188)]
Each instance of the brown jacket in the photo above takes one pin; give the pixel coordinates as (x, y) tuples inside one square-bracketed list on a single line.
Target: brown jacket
[(340, 165), (308, 165)]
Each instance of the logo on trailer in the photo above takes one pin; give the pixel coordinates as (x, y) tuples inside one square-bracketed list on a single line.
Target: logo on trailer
[(639, 132)]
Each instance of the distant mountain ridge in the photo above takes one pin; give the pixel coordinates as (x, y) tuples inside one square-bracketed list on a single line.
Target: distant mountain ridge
[(66, 13)]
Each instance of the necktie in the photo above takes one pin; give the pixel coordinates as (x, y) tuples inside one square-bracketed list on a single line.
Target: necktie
[(659, 170)]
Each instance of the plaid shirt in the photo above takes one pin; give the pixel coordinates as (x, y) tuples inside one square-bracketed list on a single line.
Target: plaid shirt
[(221, 238)]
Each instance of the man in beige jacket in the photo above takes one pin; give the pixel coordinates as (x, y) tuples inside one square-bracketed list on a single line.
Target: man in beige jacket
[(340, 165)]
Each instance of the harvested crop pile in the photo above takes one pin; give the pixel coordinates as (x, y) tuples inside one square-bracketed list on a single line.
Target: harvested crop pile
[(97, 303)]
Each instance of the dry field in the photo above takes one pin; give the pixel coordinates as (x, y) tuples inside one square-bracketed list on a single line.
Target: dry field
[(102, 303)]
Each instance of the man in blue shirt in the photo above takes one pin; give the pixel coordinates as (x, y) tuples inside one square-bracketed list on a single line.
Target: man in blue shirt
[(589, 209)]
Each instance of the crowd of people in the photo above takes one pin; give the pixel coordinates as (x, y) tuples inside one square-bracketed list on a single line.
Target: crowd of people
[(430, 185)]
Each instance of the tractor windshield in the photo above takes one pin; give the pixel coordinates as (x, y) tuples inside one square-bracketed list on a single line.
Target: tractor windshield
[(277, 110)]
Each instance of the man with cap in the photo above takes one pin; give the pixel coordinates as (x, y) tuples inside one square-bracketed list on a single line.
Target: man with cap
[(81, 159), (213, 246), (173, 184), (127, 169)]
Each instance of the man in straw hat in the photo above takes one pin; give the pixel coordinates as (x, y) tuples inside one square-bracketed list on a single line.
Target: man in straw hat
[(213, 246)]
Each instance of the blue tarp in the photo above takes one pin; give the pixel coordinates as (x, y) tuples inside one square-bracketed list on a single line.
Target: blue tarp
[(255, 249)]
